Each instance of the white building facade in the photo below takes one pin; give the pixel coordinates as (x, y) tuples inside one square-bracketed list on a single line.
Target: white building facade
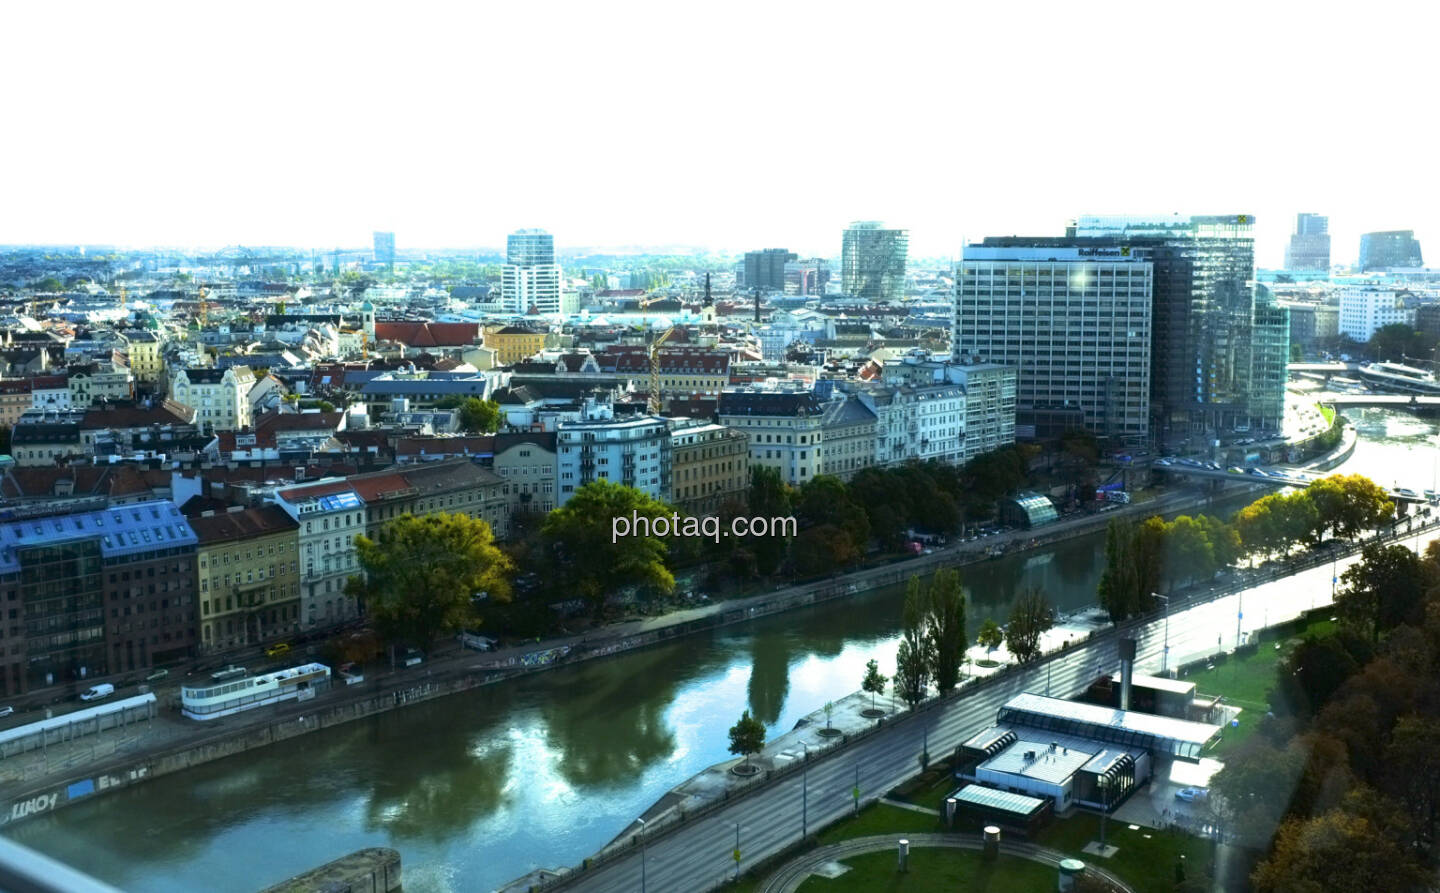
[(1363, 311), (330, 514), (633, 452)]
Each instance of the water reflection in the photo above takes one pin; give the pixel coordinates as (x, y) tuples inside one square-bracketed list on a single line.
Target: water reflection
[(769, 675), (612, 725)]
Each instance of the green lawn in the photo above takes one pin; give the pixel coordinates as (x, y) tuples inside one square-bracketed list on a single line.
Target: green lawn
[(1328, 412), (935, 870), (1146, 863), (1246, 683), (879, 818)]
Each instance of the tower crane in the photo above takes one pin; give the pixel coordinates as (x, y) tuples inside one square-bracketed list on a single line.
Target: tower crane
[(654, 401)]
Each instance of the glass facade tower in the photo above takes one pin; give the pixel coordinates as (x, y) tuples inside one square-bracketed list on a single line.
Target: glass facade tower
[(872, 261)]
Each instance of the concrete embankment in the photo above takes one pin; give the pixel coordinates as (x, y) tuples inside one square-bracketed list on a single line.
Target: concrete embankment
[(42, 792)]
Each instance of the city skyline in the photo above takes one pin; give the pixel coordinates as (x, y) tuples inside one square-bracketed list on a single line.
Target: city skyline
[(330, 149)]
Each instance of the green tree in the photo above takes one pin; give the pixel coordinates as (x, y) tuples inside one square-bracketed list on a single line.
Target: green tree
[(480, 416), (1385, 589), (912, 673), (589, 560), (1134, 567), (422, 575), (1188, 553), (48, 284), (1030, 619), (1224, 541), (874, 681), (991, 636), (747, 737), (769, 498), (945, 629), (1351, 504)]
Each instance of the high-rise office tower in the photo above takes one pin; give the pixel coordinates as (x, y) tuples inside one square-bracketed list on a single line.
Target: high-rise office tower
[(872, 261), (1387, 250), (385, 249), (530, 278), (1203, 379), (1073, 319), (765, 269), (1309, 247)]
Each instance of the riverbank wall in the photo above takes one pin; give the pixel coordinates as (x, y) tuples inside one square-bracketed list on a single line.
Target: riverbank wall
[(42, 796)]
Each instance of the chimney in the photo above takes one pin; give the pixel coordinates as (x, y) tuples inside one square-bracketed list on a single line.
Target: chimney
[(1127, 669)]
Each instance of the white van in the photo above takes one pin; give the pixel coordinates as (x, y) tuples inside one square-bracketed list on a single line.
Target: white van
[(103, 690)]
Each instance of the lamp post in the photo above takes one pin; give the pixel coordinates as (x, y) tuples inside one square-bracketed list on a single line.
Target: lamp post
[(642, 854), (737, 851), (1239, 615), (1165, 655), (805, 794)]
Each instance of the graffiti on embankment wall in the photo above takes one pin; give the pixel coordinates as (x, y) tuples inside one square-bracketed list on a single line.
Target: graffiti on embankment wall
[(36, 804)]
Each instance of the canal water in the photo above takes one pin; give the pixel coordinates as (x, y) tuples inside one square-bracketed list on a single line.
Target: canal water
[(480, 788)]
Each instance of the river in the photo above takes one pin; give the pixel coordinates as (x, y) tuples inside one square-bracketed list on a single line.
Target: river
[(479, 788)]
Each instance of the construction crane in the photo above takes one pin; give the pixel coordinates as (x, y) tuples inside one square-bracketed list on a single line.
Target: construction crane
[(204, 309), (123, 297), (654, 402)]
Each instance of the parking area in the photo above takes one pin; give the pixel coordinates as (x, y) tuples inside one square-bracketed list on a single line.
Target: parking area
[(1156, 806)]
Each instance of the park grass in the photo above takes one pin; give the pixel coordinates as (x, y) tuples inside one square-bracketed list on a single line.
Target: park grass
[(1144, 862), (1328, 412), (878, 818), (1246, 681), (936, 869)]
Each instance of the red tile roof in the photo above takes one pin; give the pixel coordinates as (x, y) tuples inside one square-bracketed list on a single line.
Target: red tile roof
[(429, 334)]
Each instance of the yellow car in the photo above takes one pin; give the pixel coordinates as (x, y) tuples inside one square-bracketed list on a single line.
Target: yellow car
[(279, 649)]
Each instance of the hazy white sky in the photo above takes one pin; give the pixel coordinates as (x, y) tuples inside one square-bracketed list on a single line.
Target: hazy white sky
[(728, 125)]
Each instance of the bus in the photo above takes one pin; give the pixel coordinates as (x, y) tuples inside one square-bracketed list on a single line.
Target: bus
[(226, 698)]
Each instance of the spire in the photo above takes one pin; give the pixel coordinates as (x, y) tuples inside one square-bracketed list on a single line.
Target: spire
[(709, 301)]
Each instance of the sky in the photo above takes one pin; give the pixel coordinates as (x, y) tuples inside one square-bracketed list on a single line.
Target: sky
[(727, 127)]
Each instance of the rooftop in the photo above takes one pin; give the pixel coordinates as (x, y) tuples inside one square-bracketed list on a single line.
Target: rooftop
[(979, 795), (1107, 723)]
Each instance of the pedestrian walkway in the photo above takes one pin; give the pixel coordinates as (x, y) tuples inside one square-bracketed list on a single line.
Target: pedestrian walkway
[(795, 872)]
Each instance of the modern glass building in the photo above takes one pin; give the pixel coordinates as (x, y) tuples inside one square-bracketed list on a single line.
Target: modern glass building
[(1309, 247), (1202, 381), (872, 261), (765, 269), (1387, 250)]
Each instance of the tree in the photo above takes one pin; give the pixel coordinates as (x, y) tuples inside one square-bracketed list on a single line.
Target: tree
[(1412, 776), (1134, 565), (1350, 504), (1224, 541), (480, 416), (874, 681), (769, 498), (1311, 675), (423, 574), (945, 629), (48, 284), (1387, 588), (912, 674), (589, 560), (1188, 553), (747, 737), (1337, 852), (1031, 617), (829, 708), (819, 550), (991, 636)]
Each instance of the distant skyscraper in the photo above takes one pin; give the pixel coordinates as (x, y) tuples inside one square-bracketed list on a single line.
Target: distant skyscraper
[(872, 261), (1073, 319), (1386, 250), (765, 270), (1206, 376), (530, 278), (385, 249), (1309, 247)]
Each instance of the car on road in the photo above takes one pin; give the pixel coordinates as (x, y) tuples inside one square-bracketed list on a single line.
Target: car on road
[(279, 649), (157, 675), (6, 711), (1191, 795)]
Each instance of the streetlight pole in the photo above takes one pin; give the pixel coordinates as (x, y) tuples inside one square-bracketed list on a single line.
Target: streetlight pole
[(805, 794), (1165, 655), (737, 851), (642, 854), (1239, 615)]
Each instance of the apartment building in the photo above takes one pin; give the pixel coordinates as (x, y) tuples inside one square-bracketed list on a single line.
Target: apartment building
[(526, 462), (15, 400), (92, 383), (329, 514), (1364, 311), (143, 350), (248, 566), (709, 466), (633, 451), (848, 437), (784, 424), (457, 486), (514, 344), (221, 397)]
